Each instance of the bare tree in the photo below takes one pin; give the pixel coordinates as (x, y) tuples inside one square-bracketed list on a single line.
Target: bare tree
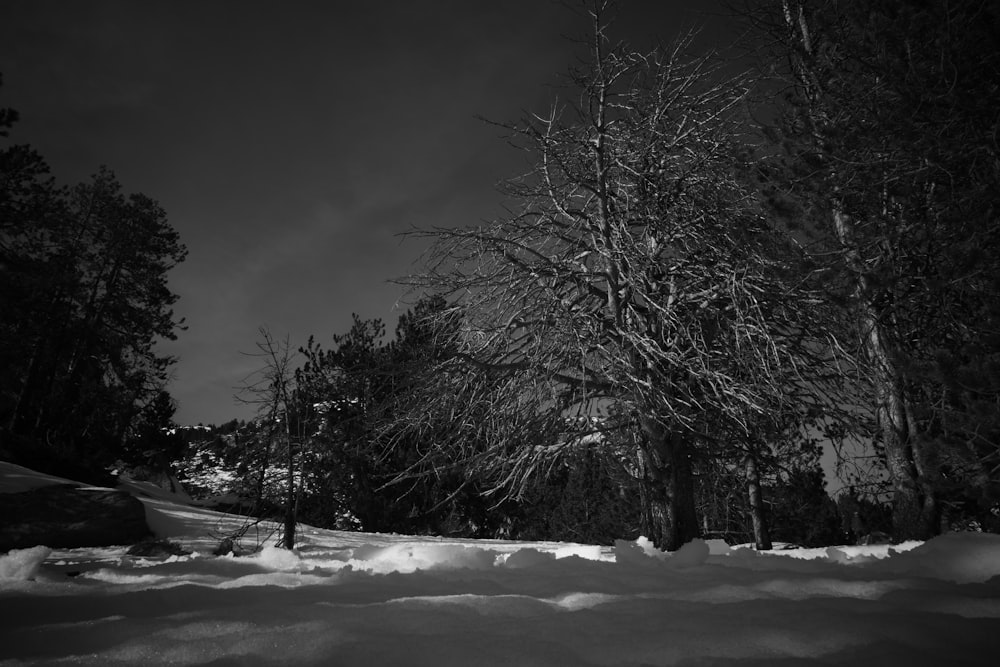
[(635, 287), (271, 389)]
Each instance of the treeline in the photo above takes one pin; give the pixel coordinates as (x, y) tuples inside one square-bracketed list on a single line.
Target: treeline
[(340, 451), (83, 300)]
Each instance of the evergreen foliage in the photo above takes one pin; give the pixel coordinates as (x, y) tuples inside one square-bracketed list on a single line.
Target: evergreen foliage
[(888, 153), (351, 393), (802, 512), (83, 279), (586, 498)]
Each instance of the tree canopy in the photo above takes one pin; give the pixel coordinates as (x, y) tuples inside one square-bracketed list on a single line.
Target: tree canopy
[(85, 300)]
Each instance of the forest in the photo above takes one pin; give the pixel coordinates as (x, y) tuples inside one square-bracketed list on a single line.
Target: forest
[(717, 268)]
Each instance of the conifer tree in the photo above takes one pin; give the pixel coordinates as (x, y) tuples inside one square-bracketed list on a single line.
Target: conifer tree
[(890, 157), (85, 299)]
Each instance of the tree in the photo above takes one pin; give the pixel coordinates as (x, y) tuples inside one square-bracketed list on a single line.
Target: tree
[(373, 467), (803, 513), (154, 441), (636, 281), (889, 137), (588, 498), (343, 385), (444, 494), (272, 389), (85, 299), (8, 116), (756, 488)]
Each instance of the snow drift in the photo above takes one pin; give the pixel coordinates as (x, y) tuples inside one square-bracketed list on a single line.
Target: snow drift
[(363, 599)]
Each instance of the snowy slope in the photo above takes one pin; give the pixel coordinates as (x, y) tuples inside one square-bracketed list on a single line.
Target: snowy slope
[(362, 599)]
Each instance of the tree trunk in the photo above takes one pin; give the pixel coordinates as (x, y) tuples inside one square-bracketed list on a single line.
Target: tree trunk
[(914, 506), (655, 522), (289, 536), (671, 488), (27, 383), (915, 510), (681, 504), (761, 534)]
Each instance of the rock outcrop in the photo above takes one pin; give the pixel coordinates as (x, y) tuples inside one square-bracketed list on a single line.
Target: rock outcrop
[(65, 516)]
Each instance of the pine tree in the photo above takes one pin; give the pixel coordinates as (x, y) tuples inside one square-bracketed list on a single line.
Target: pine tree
[(85, 299), (889, 140)]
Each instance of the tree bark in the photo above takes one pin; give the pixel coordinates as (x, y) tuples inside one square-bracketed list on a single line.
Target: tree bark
[(761, 534), (915, 510), (671, 487), (914, 506), (289, 534)]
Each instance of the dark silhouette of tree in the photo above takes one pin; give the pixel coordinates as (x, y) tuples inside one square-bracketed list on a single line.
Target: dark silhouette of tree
[(802, 512), (154, 442), (365, 463), (588, 497), (889, 152), (8, 116), (85, 299)]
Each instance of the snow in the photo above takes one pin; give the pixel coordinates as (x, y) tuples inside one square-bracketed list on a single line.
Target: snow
[(16, 479), (366, 599), (642, 550), (22, 564), (138, 488)]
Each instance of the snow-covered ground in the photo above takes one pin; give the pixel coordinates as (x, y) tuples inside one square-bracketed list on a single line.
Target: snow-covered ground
[(363, 599)]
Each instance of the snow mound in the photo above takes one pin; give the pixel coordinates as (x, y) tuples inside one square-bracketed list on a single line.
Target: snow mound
[(636, 553), (529, 558), (585, 551), (959, 557), (692, 554), (16, 479), (417, 556), (643, 552), (150, 490), (718, 548), (22, 564), (275, 558)]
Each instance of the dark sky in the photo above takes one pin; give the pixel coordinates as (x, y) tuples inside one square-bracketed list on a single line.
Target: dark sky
[(290, 143)]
